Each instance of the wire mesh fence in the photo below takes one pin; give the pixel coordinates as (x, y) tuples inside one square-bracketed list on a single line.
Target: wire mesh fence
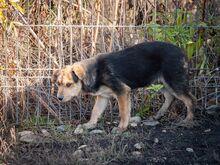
[(58, 33)]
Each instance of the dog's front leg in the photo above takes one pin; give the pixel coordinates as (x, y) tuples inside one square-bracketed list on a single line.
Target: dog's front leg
[(98, 109), (124, 103)]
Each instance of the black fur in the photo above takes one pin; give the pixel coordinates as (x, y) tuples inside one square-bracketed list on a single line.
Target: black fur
[(75, 77), (139, 66)]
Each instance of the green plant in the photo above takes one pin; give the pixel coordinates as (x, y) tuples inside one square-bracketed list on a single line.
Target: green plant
[(40, 121), (178, 30), (6, 7), (153, 91)]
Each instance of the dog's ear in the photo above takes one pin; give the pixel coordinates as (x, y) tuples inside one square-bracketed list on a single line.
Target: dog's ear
[(75, 77), (55, 76), (78, 70), (86, 75)]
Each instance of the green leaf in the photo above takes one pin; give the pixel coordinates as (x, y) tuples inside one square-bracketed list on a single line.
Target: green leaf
[(190, 49), (2, 17), (17, 7), (202, 24), (179, 20), (185, 17), (155, 87)]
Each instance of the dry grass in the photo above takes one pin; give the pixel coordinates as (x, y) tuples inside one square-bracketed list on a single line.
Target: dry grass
[(27, 60)]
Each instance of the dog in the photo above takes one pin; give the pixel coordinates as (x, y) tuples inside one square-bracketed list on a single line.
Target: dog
[(116, 74)]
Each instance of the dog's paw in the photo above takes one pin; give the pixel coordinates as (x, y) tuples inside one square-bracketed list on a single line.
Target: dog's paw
[(117, 130)]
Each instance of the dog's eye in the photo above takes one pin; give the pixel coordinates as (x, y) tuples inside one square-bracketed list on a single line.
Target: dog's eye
[(58, 83), (68, 84)]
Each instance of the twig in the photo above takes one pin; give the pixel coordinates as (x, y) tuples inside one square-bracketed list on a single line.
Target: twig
[(51, 111), (114, 23), (98, 8), (89, 12), (31, 30), (38, 39), (82, 28)]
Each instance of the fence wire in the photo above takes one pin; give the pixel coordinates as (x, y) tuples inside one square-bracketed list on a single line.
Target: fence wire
[(28, 60)]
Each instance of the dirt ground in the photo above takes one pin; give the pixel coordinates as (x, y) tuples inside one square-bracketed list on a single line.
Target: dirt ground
[(161, 144)]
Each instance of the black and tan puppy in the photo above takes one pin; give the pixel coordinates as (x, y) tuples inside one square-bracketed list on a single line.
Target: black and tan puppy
[(115, 74)]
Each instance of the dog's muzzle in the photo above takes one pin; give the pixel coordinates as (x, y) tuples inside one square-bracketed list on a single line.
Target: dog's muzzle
[(60, 98)]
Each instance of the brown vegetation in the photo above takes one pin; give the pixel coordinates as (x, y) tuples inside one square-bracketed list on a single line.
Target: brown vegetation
[(38, 36)]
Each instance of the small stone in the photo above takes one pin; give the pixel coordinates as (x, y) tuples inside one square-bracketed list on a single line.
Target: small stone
[(61, 128), (82, 146), (207, 130), (116, 130), (25, 133), (189, 150), (164, 131), (28, 137), (151, 122), (45, 133), (108, 122), (135, 119), (156, 140), (136, 153), (97, 131), (139, 145), (133, 124), (79, 129), (78, 154)]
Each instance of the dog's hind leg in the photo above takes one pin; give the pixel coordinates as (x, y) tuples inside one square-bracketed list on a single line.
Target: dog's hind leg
[(168, 100), (177, 80), (98, 109), (189, 101)]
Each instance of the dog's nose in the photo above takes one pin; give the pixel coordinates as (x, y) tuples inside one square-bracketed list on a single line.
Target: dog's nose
[(60, 98)]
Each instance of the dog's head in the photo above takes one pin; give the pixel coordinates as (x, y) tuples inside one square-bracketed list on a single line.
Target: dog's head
[(69, 81)]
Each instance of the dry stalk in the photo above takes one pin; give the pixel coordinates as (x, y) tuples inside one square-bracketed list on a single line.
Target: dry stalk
[(41, 44), (60, 38), (82, 33), (51, 111), (114, 23), (98, 10)]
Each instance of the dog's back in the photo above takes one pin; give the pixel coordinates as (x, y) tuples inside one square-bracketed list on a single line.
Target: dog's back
[(140, 65)]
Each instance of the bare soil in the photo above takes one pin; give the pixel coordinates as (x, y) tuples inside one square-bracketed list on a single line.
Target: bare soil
[(161, 144)]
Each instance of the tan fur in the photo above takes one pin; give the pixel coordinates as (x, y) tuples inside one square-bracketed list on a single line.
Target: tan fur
[(124, 103), (79, 70), (63, 77), (168, 100), (190, 106), (98, 109), (105, 92)]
